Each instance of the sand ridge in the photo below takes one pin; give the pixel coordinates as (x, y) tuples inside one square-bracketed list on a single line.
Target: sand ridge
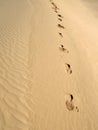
[(48, 65)]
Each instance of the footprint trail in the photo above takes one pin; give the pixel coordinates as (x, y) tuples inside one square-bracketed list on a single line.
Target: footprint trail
[(70, 101)]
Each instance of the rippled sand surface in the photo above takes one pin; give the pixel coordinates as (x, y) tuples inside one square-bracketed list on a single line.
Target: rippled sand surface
[(48, 65)]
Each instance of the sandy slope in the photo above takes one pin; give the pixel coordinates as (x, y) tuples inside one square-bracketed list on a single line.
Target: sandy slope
[(44, 86)]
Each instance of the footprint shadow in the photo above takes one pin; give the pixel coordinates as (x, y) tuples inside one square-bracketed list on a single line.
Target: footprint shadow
[(61, 26), (63, 49), (68, 68), (60, 19), (61, 35), (60, 16)]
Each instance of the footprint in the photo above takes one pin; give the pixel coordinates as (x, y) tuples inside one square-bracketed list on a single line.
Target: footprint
[(54, 5), (59, 15), (70, 105), (77, 109), (59, 19), (51, 1), (61, 34), (68, 68), (60, 26), (62, 48), (54, 10)]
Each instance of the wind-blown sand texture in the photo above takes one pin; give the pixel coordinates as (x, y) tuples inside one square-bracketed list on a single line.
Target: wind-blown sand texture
[(48, 65)]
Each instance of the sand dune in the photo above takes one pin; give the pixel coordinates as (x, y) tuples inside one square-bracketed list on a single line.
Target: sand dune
[(48, 65)]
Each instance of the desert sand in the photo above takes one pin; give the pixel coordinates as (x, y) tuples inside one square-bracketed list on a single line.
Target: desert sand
[(48, 65)]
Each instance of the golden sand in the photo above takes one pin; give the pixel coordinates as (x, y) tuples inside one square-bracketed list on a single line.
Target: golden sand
[(48, 65)]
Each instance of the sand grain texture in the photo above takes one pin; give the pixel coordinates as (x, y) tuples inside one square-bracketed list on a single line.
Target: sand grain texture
[(48, 65)]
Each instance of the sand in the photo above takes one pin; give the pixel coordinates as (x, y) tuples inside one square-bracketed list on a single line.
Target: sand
[(48, 65)]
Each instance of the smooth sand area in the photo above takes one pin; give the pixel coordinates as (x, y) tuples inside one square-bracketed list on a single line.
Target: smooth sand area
[(48, 65)]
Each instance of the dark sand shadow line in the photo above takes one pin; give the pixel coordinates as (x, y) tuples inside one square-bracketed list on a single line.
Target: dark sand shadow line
[(68, 68), (61, 26), (59, 15), (60, 34)]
